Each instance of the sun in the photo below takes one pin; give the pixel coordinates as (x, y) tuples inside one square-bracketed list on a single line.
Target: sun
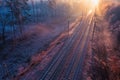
[(95, 2)]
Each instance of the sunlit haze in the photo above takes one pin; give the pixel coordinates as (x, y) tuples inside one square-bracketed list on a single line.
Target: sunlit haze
[(59, 39), (95, 2)]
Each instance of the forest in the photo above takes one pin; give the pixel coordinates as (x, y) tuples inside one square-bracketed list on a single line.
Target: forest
[(59, 40), (14, 15)]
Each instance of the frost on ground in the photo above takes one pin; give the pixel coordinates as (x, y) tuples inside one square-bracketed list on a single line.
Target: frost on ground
[(104, 58), (35, 39)]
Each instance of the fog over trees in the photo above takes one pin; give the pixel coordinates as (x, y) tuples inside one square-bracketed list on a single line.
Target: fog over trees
[(14, 14)]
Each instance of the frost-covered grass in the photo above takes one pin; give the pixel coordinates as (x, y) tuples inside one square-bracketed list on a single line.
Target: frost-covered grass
[(104, 60), (37, 38), (39, 12), (45, 25)]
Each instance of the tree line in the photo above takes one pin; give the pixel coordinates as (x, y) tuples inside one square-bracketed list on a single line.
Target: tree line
[(15, 13)]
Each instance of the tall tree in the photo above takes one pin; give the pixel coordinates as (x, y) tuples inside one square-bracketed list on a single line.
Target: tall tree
[(52, 4), (13, 12), (20, 11), (33, 8), (4, 18)]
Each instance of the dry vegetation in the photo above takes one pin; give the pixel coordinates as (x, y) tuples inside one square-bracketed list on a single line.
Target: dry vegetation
[(104, 61)]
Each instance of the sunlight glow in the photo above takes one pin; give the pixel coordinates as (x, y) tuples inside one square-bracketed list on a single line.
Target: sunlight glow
[(95, 2), (90, 11)]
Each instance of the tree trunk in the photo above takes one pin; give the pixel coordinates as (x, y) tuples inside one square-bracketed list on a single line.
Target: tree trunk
[(33, 6), (3, 33)]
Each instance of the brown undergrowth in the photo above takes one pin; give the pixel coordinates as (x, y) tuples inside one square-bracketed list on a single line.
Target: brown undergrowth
[(104, 59)]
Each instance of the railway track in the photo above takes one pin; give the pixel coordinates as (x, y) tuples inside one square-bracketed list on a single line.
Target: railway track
[(67, 63), (77, 50), (59, 57)]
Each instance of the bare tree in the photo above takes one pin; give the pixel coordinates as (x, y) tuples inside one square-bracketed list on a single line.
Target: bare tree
[(4, 15), (19, 9)]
